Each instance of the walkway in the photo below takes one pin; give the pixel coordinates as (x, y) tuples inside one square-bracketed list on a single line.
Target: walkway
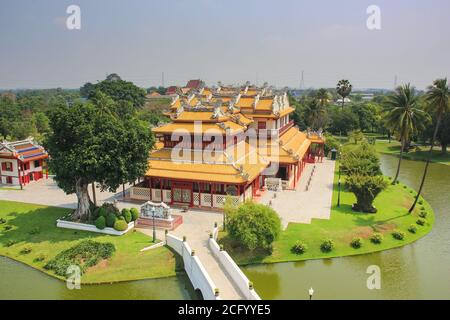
[(197, 225), (300, 206)]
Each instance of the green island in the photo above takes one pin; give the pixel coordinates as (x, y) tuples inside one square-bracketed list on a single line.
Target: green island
[(344, 225), (29, 235)]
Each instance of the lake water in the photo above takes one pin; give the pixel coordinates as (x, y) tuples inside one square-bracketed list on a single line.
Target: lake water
[(418, 271)]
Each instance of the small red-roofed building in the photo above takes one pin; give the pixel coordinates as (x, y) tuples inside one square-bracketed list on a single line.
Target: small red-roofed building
[(22, 162)]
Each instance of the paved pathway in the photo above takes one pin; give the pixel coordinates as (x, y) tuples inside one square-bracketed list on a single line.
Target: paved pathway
[(300, 206)]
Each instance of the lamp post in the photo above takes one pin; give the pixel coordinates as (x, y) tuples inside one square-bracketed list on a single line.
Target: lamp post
[(311, 292), (339, 177), (154, 228)]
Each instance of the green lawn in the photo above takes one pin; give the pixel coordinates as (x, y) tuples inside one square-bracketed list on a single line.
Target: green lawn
[(343, 226), (127, 263), (421, 154)]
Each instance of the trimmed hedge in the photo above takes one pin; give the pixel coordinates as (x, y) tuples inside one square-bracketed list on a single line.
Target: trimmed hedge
[(299, 247), (376, 238), (120, 225), (100, 223), (126, 214), (134, 214), (111, 220), (327, 245)]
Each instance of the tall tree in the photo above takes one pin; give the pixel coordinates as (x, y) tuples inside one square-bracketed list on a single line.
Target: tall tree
[(344, 88), (403, 116), (323, 96), (119, 90), (316, 114), (438, 103), (90, 144)]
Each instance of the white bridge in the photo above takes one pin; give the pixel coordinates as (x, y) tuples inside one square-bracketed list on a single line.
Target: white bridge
[(211, 270)]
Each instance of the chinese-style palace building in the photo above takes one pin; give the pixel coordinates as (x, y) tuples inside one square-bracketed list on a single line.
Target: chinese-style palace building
[(21, 162), (225, 141)]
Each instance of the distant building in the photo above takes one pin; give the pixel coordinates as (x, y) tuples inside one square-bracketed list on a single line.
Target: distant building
[(22, 162), (171, 90), (195, 84)]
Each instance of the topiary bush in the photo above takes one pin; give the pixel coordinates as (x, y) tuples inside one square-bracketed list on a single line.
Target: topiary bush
[(356, 243), (120, 225), (96, 213), (421, 221), (100, 223), (102, 212), (110, 219), (412, 228), (126, 214), (111, 208), (121, 218), (399, 235), (299, 248), (327, 245), (376, 238), (134, 214)]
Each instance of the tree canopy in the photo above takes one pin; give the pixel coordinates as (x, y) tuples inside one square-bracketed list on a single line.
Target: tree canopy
[(90, 143), (253, 225)]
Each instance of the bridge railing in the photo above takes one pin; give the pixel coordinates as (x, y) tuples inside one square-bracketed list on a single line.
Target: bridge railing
[(236, 275), (200, 279)]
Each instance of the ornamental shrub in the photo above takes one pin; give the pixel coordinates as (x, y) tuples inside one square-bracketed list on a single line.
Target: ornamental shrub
[(399, 235), (110, 219), (423, 214), (420, 202), (421, 221), (100, 223), (254, 225), (111, 208), (120, 225), (299, 248), (327, 245), (134, 214), (85, 254), (2, 220), (126, 214), (121, 218), (412, 228), (96, 213), (102, 212), (376, 238), (356, 243)]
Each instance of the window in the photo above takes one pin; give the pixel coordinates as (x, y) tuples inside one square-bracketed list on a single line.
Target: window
[(37, 163), (7, 166), (261, 125), (9, 180)]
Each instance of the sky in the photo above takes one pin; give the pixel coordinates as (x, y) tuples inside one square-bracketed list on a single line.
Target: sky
[(231, 41)]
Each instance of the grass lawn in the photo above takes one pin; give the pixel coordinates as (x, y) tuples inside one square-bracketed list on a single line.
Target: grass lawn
[(127, 263), (393, 148), (343, 226)]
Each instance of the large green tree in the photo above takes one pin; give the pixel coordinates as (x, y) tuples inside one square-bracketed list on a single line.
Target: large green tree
[(90, 143), (438, 104), (361, 166), (253, 225), (404, 116), (119, 90)]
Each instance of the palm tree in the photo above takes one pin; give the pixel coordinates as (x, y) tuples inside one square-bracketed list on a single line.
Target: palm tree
[(315, 114), (438, 103), (323, 96), (403, 116), (343, 88)]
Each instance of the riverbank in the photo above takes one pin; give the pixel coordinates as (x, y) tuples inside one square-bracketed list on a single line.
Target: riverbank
[(344, 225), (29, 235), (421, 154)]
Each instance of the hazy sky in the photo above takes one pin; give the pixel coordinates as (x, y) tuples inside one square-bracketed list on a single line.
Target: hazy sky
[(228, 40)]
